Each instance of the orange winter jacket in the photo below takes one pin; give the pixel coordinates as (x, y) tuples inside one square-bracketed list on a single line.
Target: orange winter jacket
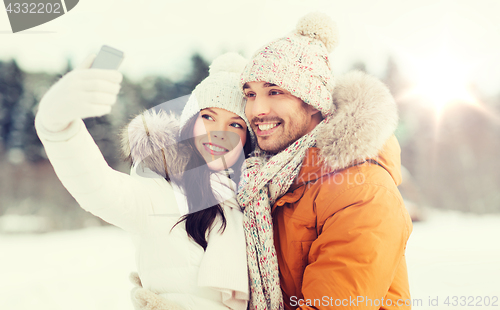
[(340, 235)]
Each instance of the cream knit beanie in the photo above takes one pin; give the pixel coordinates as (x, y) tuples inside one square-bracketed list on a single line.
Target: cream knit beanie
[(221, 89), (299, 62)]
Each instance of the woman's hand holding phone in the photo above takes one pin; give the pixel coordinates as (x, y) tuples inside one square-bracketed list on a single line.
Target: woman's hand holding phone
[(81, 93)]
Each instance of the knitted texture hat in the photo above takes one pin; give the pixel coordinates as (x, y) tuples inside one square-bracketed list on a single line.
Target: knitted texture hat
[(299, 62), (221, 89)]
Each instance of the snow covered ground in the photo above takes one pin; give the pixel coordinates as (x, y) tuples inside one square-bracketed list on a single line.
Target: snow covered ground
[(454, 254), (450, 254), (83, 269)]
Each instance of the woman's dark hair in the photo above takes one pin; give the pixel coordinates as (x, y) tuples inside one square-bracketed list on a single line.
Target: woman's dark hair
[(196, 186)]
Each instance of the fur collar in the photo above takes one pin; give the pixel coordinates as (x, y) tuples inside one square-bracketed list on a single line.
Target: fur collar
[(365, 117)]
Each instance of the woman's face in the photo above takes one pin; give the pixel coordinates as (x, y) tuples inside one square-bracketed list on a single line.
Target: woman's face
[(219, 136)]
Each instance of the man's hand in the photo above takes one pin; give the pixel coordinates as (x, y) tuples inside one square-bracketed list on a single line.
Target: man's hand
[(144, 299), (81, 93)]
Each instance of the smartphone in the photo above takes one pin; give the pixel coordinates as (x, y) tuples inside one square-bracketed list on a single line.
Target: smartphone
[(108, 58)]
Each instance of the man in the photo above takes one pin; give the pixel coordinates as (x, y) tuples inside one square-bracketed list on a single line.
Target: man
[(323, 182)]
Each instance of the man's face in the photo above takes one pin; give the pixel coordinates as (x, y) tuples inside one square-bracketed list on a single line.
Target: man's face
[(277, 117)]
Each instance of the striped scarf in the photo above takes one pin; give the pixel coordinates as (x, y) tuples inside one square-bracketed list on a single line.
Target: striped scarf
[(264, 180)]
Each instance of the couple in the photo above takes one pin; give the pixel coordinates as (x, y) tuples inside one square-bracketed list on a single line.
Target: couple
[(323, 224)]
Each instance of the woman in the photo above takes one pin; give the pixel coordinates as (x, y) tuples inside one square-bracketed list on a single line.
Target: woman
[(179, 200)]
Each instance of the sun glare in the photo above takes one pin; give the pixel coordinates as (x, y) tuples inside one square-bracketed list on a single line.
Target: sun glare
[(442, 81)]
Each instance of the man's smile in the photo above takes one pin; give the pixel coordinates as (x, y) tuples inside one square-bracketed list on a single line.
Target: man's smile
[(266, 129)]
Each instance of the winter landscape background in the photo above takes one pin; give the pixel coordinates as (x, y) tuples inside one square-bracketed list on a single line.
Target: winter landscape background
[(438, 58)]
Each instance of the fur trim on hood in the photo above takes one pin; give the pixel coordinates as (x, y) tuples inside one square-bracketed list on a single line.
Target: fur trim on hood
[(151, 139), (365, 118)]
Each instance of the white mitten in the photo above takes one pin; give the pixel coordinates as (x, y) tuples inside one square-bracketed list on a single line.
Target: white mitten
[(144, 299), (81, 93)]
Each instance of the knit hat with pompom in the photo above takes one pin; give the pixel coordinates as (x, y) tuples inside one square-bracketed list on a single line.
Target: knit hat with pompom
[(221, 89), (299, 62)]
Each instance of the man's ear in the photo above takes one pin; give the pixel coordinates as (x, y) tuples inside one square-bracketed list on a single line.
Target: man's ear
[(315, 115), (311, 111)]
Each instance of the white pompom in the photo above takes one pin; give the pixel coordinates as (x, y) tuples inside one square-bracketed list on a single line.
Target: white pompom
[(229, 62), (319, 26)]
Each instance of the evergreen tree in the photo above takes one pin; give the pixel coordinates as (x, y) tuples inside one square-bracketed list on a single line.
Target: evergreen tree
[(35, 86), (199, 71), (105, 136), (11, 89), (158, 90)]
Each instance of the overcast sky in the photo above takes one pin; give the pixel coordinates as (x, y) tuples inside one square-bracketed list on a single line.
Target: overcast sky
[(157, 36)]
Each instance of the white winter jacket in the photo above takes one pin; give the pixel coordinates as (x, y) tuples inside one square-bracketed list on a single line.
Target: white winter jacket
[(144, 203)]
